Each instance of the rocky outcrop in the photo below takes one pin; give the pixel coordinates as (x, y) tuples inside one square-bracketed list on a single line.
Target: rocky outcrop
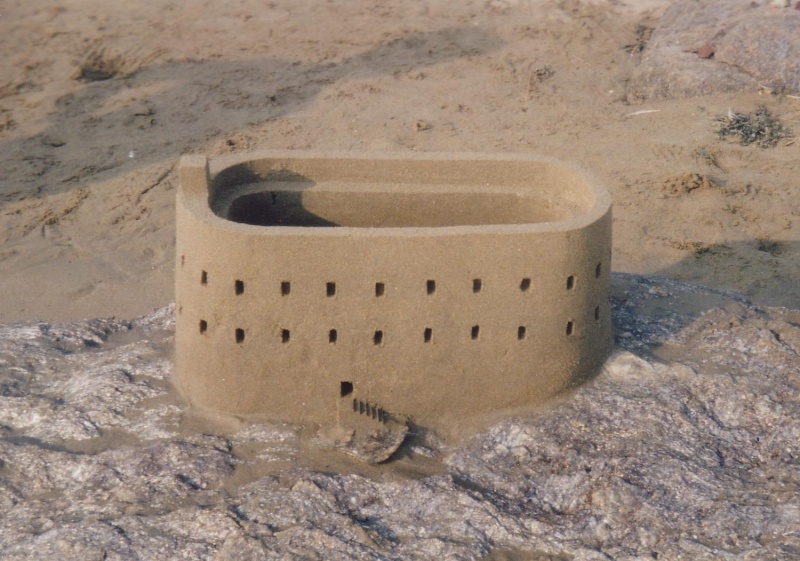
[(699, 48), (684, 447)]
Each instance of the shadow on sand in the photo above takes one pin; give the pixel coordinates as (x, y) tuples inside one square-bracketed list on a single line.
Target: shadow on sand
[(649, 310), (165, 110)]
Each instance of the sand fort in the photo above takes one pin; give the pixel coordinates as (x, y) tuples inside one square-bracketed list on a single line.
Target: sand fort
[(435, 286)]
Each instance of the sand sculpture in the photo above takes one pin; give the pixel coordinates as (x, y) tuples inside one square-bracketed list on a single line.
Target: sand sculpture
[(435, 286)]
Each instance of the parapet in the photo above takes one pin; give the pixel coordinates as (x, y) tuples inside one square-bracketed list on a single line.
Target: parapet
[(434, 286)]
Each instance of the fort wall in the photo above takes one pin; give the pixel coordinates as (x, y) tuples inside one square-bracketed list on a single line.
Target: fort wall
[(434, 286)]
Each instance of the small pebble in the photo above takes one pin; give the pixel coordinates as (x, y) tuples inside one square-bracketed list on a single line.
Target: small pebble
[(706, 51)]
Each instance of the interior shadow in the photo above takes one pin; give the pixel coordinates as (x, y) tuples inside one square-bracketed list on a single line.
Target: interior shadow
[(275, 208)]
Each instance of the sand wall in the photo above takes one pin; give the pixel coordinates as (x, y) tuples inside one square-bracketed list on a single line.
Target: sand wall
[(299, 322)]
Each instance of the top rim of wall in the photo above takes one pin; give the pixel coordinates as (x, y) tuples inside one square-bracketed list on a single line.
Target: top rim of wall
[(197, 173)]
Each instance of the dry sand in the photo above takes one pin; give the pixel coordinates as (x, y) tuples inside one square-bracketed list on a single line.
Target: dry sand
[(87, 166)]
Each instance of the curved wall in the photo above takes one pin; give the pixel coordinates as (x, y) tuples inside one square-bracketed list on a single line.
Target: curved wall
[(296, 322)]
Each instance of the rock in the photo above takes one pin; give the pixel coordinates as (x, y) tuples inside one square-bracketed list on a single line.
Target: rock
[(767, 48), (378, 445), (369, 440), (701, 48), (684, 447)]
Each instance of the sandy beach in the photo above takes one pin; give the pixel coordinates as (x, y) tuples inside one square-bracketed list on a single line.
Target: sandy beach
[(98, 101)]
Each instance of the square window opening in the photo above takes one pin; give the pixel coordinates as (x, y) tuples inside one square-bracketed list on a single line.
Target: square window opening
[(345, 389), (476, 285), (286, 288), (379, 289), (378, 337), (525, 284), (521, 332), (330, 289), (430, 286), (239, 287), (240, 335), (285, 335)]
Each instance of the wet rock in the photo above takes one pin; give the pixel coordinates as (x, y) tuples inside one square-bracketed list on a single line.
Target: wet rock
[(70, 380), (378, 445), (699, 48), (684, 447), (369, 441)]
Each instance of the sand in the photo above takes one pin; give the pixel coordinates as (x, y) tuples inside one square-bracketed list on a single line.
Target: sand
[(88, 165)]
